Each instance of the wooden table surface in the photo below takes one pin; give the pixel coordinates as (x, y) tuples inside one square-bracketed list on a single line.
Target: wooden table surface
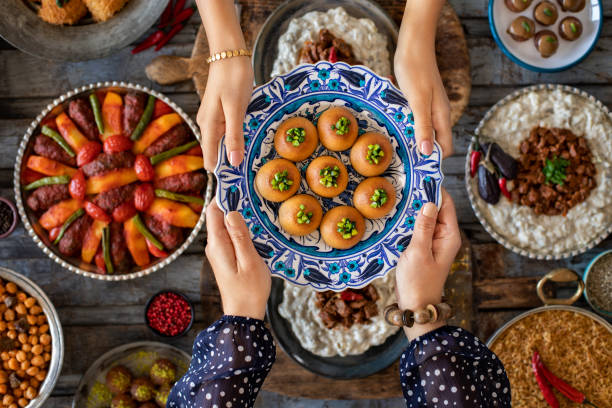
[(97, 316)]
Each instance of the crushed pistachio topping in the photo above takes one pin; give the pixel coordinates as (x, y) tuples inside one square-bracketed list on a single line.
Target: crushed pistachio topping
[(302, 216), (526, 26), (551, 39), (375, 153), (573, 27), (379, 198), (329, 176), (342, 126), (296, 136), (347, 228), (281, 181), (548, 12)]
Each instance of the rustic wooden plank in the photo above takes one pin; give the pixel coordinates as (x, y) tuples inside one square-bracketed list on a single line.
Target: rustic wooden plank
[(506, 293)]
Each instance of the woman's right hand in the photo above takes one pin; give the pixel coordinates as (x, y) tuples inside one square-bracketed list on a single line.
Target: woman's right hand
[(242, 276), (223, 107)]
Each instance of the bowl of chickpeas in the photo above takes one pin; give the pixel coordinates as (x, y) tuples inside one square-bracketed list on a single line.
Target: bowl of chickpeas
[(31, 343)]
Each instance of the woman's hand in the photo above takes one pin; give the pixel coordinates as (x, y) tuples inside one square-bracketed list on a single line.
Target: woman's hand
[(423, 267), (223, 107), (242, 276)]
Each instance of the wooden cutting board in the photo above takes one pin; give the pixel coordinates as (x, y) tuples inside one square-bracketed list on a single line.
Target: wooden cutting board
[(289, 378), (451, 51)]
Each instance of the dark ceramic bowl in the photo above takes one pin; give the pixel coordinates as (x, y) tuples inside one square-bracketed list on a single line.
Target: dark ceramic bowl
[(183, 296), (15, 217)]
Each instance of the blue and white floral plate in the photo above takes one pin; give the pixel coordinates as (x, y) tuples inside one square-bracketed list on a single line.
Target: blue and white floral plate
[(307, 91)]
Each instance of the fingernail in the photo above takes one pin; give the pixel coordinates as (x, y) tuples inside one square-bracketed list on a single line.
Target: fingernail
[(430, 210), (233, 219), (426, 147), (235, 157)]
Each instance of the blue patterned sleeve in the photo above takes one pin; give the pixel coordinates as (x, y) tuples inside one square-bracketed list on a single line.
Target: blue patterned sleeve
[(229, 364), (450, 367)]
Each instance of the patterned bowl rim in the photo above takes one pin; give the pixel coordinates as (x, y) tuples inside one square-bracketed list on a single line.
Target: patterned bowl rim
[(540, 255), (387, 265), (55, 329), (22, 211)]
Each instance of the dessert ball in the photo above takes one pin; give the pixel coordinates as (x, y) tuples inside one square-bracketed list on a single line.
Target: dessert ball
[(545, 13), (142, 389), (337, 128), (374, 197), (522, 29), (162, 372), (371, 155), (277, 180), (572, 5), (342, 227), (327, 176), (118, 379), (570, 28), (300, 215), (518, 5), (161, 397), (546, 42), (122, 401), (296, 139)]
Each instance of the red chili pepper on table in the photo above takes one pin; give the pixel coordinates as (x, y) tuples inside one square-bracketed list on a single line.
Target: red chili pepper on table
[(333, 55), (543, 383), (503, 186), (474, 160), (178, 7), (169, 36), (179, 18), (149, 41), (167, 14), (349, 296), (564, 388)]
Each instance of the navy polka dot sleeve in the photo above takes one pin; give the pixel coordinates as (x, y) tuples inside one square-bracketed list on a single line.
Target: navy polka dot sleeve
[(229, 364), (450, 367)]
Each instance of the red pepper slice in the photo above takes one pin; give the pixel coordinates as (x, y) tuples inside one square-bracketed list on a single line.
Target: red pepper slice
[(503, 186), (156, 252), (173, 31), (180, 5), (149, 41), (474, 160), (333, 55), (179, 18), (549, 396), (167, 14), (349, 296)]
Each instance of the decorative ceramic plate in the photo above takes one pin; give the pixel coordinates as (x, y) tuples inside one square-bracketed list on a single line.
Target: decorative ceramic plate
[(137, 357), (378, 106), (525, 53)]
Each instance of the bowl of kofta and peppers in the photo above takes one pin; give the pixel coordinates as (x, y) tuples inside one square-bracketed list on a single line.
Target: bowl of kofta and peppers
[(109, 181)]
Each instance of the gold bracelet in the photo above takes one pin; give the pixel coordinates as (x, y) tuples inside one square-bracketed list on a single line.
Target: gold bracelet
[(432, 313), (241, 52)]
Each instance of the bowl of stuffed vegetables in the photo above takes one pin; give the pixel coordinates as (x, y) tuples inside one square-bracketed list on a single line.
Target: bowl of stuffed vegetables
[(109, 181)]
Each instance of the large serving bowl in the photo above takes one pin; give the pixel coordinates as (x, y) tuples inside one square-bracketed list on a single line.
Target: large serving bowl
[(55, 330), (37, 232)]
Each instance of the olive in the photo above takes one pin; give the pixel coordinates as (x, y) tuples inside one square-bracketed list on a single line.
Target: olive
[(488, 188), (545, 13), (572, 5), (506, 164), (518, 5), (522, 29), (546, 42), (570, 28)]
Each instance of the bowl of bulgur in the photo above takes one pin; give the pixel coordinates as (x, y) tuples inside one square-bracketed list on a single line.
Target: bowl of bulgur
[(31, 342)]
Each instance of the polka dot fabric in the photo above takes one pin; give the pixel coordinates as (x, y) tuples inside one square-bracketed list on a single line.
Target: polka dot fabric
[(450, 367), (229, 364)]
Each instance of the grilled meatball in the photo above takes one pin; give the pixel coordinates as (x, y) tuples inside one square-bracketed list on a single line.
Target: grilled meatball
[(44, 197), (45, 146), (111, 199), (72, 241), (169, 235), (174, 137), (108, 161), (118, 249), (80, 112), (133, 106), (182, 183)]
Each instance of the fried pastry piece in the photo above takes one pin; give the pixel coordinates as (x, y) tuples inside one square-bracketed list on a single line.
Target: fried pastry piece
[(102, 10), (70, 13)]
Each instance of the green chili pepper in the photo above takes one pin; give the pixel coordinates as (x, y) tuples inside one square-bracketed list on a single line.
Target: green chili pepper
[(75, 216), (47, 181), (47, 131), (342, 126), (147, 114), (281, 181), (146, 233), (178, 197), (303, 217), (97, 111), (329, 176), (108, 262), (296, 136), (379, 198), (347, 228), (172, 152), (374, 154)]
